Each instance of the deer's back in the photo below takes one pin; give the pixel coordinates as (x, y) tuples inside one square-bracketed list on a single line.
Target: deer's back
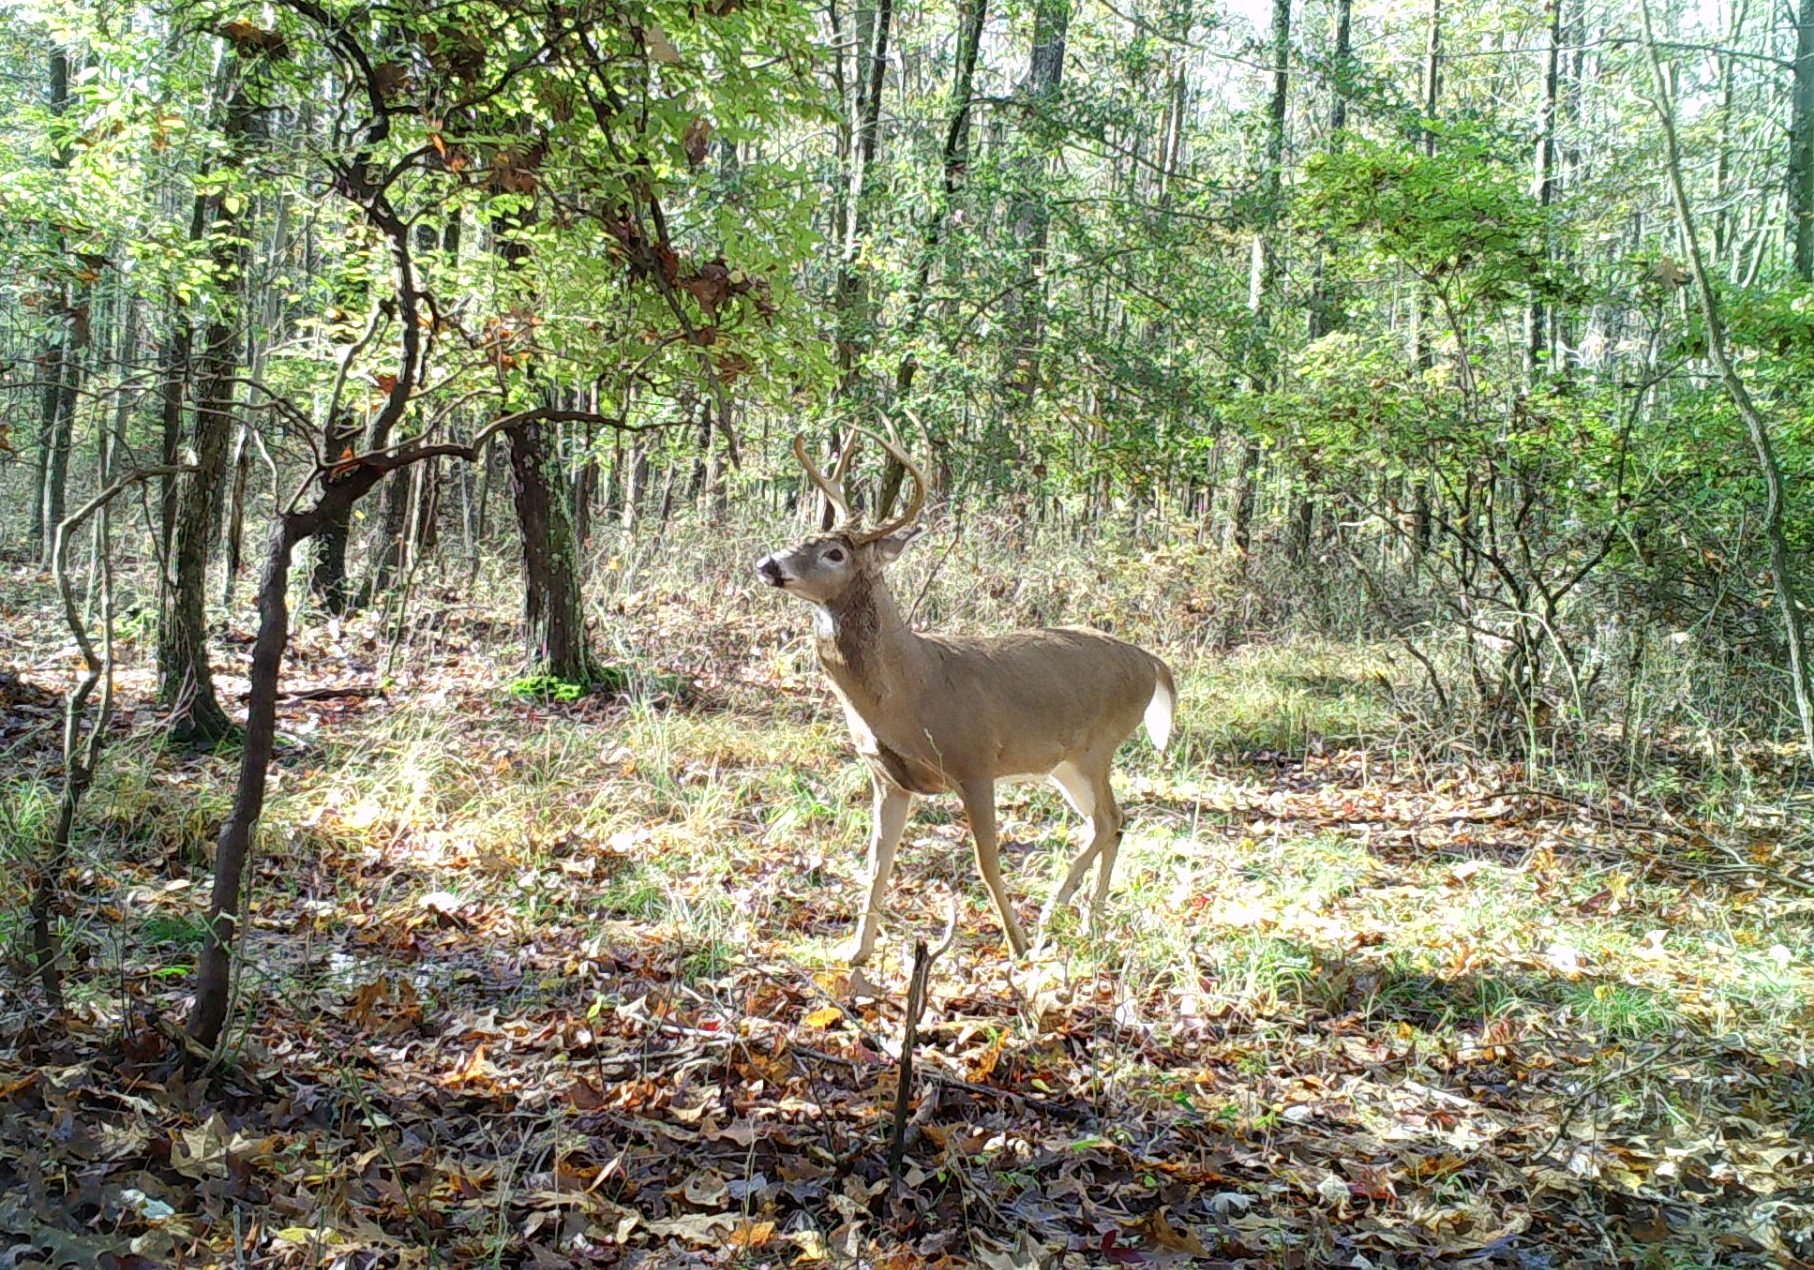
[(1020, 704)]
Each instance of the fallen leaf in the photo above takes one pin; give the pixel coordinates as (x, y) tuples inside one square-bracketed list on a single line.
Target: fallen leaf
[(823, 1017), (474, 1071), (1158, 1232), (752, 1235), (706, 1188)]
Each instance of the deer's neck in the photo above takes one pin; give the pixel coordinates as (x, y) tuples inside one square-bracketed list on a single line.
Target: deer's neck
[(865, 645)]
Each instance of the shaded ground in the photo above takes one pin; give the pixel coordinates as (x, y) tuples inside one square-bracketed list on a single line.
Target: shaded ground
[(542, 984)]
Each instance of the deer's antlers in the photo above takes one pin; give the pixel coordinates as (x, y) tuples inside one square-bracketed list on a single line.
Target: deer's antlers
[(833, 486)]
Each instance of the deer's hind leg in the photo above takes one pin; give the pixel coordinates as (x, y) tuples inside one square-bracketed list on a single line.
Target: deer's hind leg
[(1086, 787), (1108, 833)]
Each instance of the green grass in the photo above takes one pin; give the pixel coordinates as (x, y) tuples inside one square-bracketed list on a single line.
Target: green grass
[(1280, 699), (743, 828), (635, 899), (174, 930), (28, 811), (705, 959), (551, 688), (1270, 918), (1263, 971), (1622, 1011)]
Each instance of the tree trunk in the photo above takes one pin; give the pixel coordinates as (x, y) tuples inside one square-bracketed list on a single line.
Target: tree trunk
[(1723, 220), (1325, 306), (1801, 145), (185, 679), (424, 513), (955, 168), (1422, 356), (65, 373), (1757, 429), (554, 614), (1030, 217), (585, 497), (1264, 274), (852, 293), (214, 968), (327, 575), (391, 537), (239, 469), (173, 386), (61, 362), (1539, 342), (388, 539)]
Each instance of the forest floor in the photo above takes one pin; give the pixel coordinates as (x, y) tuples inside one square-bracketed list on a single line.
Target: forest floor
[(544, 983)]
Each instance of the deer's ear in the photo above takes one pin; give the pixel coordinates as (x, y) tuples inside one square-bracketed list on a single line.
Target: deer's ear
[(890, 548)]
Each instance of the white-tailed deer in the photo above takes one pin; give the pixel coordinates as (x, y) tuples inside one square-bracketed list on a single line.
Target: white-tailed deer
[(947, 713)]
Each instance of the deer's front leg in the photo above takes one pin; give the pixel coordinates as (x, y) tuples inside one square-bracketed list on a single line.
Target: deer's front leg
[(892, 806), (979, 803)]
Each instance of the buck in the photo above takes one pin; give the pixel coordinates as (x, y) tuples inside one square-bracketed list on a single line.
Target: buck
[(946, 713)]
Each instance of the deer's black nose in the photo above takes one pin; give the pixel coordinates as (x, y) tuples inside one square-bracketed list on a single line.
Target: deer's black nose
[(770, 570)]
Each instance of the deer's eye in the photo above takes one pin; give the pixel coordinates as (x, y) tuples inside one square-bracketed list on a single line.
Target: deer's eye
[(835, 555)]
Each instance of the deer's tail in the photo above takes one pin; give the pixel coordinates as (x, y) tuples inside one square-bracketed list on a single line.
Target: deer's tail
[(1159, 710)]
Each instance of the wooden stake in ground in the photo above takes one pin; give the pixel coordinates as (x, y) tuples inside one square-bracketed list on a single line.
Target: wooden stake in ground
[(923, 958)]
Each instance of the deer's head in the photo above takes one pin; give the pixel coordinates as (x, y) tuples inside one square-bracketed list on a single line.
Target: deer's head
[(824, 567)]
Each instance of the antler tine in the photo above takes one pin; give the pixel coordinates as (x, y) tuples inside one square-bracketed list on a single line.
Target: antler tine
[(915, 504), (833, 491), (844, 456)]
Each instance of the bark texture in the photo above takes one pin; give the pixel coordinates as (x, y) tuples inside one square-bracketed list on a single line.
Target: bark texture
[(185, 677), (554, 615)]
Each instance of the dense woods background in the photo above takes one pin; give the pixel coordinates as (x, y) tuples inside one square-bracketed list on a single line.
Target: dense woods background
[(1393, 312), (1464, 353)]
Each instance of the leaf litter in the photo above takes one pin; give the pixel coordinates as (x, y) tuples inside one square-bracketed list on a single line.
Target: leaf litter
[(1350, 1013)]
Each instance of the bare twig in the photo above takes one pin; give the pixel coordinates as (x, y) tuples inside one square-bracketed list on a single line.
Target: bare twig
[(923, 957), (1580, 1100), (913, 610), (79, 759)]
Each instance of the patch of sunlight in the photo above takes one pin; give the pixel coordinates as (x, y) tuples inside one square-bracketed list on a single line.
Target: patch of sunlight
[(363, 814)]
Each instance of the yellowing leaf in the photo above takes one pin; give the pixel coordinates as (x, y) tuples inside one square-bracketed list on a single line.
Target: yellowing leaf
[(753, 1234), (811, 1245), (474, 1071), (823, 1017), (1158, 1232)]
